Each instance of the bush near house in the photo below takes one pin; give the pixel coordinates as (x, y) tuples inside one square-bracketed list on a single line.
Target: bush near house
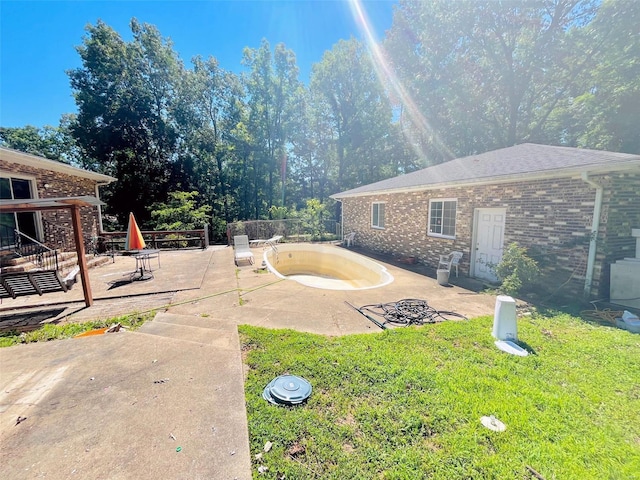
[(517, 271)]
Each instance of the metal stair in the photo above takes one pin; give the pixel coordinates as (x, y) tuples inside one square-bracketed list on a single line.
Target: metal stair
[(17, 284)]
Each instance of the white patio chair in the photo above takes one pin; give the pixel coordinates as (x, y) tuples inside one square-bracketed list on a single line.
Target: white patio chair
[(241, 249), (450, 260), (349, 239)]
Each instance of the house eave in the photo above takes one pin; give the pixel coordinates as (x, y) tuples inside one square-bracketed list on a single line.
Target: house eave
[(562, 173), (34, 161)]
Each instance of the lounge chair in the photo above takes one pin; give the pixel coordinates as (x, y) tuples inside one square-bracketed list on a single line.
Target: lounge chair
[(450, 260), (269, 241), (241, 249)]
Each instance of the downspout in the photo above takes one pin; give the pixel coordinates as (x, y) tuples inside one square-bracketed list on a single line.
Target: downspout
[(595, 226)]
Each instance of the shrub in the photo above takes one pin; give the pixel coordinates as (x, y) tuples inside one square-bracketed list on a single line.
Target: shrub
[(516, 270)]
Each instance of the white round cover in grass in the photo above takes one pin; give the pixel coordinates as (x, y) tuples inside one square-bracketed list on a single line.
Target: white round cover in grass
[(492, 423), (326, 266)]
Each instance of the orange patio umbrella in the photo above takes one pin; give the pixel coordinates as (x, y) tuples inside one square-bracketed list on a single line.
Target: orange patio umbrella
[(134, 240)]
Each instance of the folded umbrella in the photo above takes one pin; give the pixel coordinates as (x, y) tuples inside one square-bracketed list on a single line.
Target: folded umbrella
[(134, 240)]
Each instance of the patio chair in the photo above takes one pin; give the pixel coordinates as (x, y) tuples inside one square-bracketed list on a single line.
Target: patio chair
[(349, 239), (450, 260), (241, 249)]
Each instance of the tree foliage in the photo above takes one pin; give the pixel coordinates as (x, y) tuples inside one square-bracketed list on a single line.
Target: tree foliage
[(54, 143), (602, 107), (470, 76), (487, 74), (180, 212), (357, 111), (125, 93)]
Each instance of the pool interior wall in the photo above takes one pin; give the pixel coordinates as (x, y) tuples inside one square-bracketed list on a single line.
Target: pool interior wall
[(326, 266)]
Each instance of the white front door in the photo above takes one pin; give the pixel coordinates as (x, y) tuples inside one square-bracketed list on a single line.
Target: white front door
[(489, 238)]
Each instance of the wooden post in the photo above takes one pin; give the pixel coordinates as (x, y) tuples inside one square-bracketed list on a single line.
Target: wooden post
[(82, 260)]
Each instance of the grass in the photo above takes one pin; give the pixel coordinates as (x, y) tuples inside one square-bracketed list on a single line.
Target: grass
[(407, 403), (51, 331)]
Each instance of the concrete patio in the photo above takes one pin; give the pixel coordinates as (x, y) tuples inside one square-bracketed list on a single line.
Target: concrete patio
[(167, 400)]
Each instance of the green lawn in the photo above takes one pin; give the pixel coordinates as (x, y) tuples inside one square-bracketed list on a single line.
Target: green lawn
[(52, 331), (406, 403)]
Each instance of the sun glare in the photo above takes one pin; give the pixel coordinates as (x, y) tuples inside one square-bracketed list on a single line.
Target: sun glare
[(392, 83)]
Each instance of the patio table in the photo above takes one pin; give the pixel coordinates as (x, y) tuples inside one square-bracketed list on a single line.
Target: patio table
[(143, 262)]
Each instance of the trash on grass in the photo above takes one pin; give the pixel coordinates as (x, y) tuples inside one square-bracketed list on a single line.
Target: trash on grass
[(116, 327)]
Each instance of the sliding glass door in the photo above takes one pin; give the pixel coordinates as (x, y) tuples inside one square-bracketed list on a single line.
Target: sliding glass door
[(25, 222)]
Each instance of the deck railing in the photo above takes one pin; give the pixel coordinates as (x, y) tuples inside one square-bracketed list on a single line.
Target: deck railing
[(157, 239)]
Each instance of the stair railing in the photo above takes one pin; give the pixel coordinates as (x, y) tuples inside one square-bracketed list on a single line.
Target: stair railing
[(35, 252)]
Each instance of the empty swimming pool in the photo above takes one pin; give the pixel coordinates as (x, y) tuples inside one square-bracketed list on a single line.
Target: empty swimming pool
[(326, 266)]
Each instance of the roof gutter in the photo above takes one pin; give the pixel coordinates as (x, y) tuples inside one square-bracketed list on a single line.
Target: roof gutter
[(595, 226)]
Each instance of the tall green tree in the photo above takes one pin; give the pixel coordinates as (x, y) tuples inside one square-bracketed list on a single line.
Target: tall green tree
[(313, 156), (357, 109), (271, 85), (125, 93), (484, 74), (602, 108), (209, 104)]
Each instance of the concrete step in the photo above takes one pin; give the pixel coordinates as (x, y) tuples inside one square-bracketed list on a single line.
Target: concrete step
[(92, 262), (224, 338), (195, 321), (66, 262), (13, 260)]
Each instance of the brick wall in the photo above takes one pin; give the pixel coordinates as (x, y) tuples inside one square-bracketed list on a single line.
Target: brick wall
[(551, 217), (59, 185), (620, 213)]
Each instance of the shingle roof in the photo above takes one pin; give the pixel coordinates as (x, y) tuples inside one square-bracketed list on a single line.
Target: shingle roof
[(518, 162), (35, 161)]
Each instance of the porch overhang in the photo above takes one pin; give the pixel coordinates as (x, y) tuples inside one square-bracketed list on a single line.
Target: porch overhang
[(56, 203), (61, 203)]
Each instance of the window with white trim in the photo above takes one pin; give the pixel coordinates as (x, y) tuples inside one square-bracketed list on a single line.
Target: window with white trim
[(442, 218), (377, 214), (17, 188)]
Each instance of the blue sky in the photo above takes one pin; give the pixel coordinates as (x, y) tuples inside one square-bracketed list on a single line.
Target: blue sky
[(38, 40)]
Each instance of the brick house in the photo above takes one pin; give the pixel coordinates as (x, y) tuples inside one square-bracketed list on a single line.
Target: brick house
[(542, 197), (26, 176)]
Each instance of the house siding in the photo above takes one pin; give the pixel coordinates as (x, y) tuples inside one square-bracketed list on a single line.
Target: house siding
[(57, 224), (551, 217)]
